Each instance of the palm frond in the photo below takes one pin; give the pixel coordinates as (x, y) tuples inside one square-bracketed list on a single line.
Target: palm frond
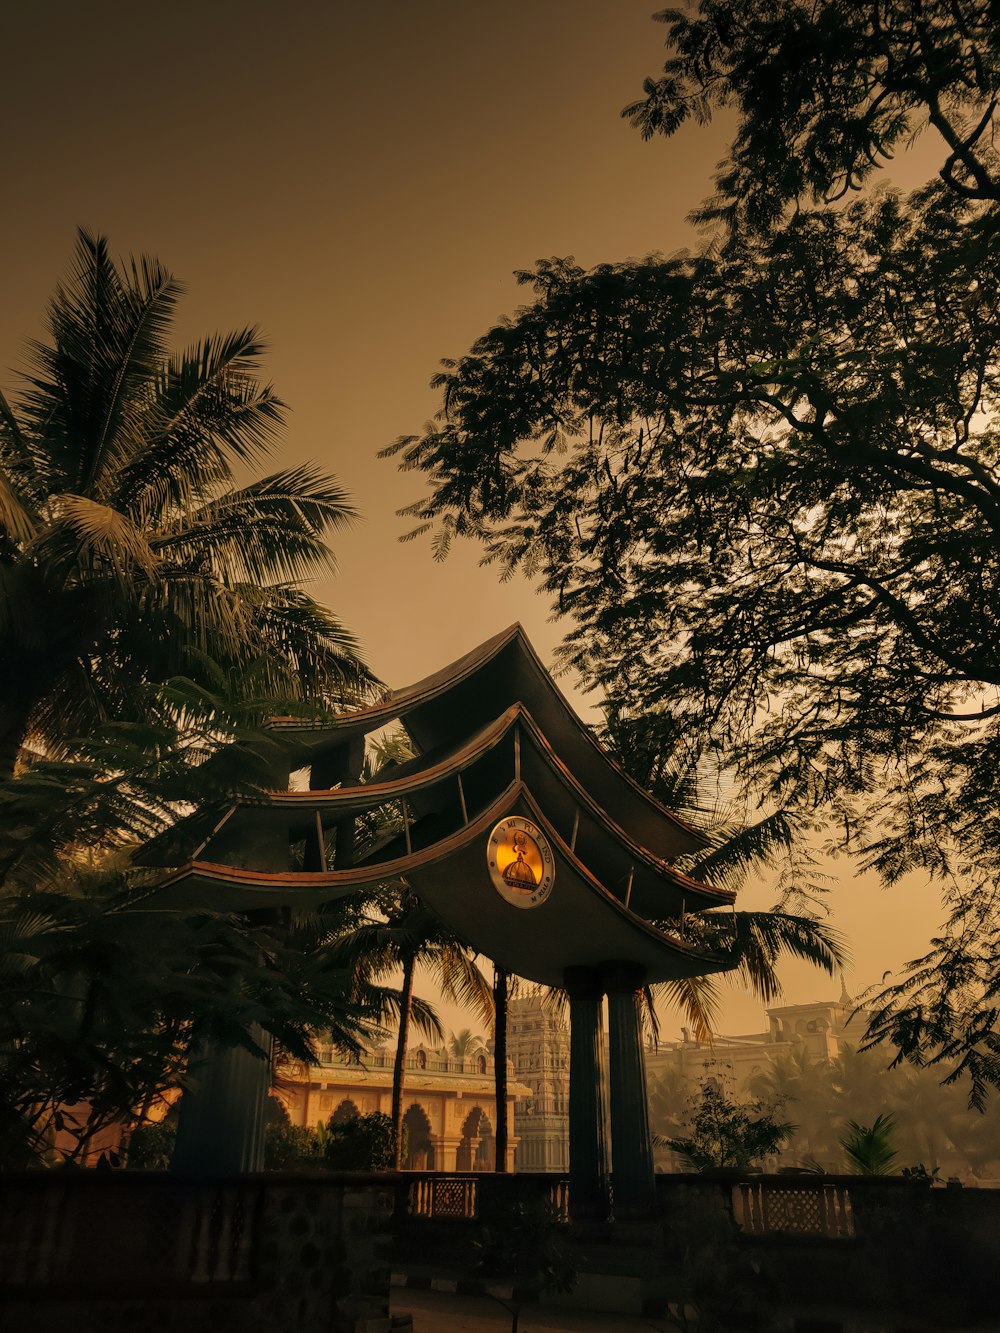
[(270, 531), (697, 998), (462, 981), (102, 535), (754, 941), (206, 413), (87, 389), (737, 849)]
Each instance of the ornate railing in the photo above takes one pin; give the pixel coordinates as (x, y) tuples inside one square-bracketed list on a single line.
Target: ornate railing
[(766, 1205), (441, 1195), (791, 1206)]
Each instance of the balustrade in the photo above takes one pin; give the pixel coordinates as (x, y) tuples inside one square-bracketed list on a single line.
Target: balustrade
[(453, 1195)]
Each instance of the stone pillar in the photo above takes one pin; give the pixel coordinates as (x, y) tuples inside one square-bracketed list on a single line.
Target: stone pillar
[(446, 1152), (631, 1143), (588, 1154), (220, 1129)]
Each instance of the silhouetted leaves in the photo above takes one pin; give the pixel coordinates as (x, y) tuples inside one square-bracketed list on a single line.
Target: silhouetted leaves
[(761, 481)]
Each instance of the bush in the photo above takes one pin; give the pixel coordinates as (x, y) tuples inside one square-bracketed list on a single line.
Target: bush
[(290, 1147), (359, 1143), (151, 1145), (730, 1134)]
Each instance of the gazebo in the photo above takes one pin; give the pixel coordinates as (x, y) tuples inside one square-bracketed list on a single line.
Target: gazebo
[(519, 831)]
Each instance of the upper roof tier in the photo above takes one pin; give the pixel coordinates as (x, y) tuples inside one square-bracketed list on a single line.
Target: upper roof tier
[(442, 710)]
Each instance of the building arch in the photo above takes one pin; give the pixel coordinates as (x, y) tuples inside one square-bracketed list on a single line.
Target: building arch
[(346, 1110), (417, 1141), (483, 1153)]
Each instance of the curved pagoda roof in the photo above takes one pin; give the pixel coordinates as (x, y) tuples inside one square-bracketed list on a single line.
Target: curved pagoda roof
[(440, 710), (495, 740)]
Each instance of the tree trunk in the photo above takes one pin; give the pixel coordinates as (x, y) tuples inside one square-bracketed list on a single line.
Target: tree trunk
[(500, 988), (399, 1068)]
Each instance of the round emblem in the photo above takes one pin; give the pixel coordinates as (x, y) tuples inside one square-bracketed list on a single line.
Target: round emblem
[(521, 863)]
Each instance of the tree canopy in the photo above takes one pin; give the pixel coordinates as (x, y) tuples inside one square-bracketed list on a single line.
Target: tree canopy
[(826, 93), (761, 481)]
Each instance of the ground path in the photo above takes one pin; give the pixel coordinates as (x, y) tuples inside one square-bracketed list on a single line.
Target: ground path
[(448, 1312)]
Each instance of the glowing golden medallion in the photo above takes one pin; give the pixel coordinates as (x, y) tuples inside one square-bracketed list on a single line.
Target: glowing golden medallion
[(520, 860)]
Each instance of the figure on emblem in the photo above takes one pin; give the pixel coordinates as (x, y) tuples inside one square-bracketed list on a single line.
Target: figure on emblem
[(519, 875)]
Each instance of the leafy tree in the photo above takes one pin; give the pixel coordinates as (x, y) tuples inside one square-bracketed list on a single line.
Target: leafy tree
[(729, 1134), (761, 480), (868, 1148), (289, 1147), (102, 1000), (826, 93), (151, 1145), (521, 1239)]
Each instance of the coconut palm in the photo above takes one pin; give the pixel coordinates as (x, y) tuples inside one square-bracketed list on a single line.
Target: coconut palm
[(649, 747), (931, 1118), (669, 1091), (402, 934), (464, 1043), (860, 1087), (868, 1148), (794, 1079), (502, 990), (129, 554)]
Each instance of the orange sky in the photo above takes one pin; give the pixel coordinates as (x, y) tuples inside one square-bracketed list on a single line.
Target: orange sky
[(361, 181)]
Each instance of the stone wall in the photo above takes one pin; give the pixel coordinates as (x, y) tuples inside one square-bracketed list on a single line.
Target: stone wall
[(833, 1246), (116, 1252), (789, 1252)]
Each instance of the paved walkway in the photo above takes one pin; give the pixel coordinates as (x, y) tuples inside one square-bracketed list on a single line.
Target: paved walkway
[(447, 1312)]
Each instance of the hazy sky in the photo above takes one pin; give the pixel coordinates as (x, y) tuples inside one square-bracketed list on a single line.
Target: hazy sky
[(362, 181)]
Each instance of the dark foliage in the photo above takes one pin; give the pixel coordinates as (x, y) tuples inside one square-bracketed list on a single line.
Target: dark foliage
[(360, 1143), (761, 481)]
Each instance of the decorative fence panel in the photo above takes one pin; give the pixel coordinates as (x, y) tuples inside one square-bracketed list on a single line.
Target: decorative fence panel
[(794, 1207), (442, 1195)]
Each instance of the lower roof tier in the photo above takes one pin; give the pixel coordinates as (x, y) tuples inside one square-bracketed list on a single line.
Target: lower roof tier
[(536, 930)]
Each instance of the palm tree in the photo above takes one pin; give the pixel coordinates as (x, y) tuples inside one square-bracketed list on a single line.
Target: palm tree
[(868, 1148), (794, 1077), (128, 553), (860, 1087), (464, 1043), (407, 938), (669, 1091), (931, 1118), (501, 994), (649, 747)]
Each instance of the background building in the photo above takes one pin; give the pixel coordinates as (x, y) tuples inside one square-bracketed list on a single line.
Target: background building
[(538, 1046), (449, 1103)]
